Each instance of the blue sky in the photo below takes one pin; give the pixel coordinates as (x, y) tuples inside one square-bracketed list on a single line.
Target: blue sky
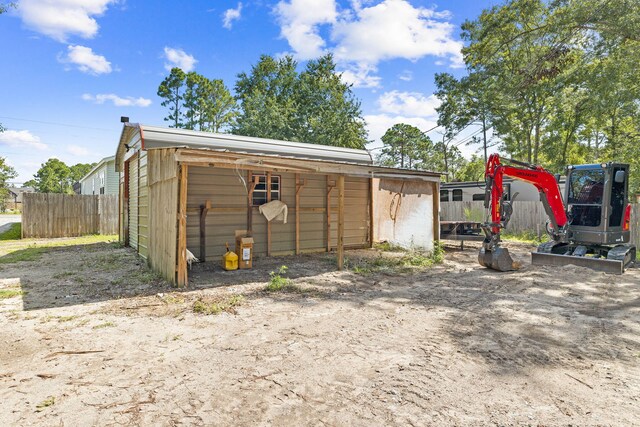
[(71, 68)]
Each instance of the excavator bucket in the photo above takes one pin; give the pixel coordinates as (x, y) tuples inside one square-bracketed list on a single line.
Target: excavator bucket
[(497, 259)]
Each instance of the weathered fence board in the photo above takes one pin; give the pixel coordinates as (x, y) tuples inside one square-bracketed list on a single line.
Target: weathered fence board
[(61, 215), (527, 216)]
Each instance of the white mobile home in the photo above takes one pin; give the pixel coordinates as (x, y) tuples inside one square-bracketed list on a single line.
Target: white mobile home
[(102, 179)]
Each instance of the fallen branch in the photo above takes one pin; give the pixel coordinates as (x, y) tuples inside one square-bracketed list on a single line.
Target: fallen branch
[(580, 381), (45, 376)]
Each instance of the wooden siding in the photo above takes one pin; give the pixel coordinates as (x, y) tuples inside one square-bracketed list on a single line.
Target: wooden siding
[(63, 215), (356, 207), (143, 206), (227, 194), (133, 202), (313, 202), (163, 202), (224, 189)]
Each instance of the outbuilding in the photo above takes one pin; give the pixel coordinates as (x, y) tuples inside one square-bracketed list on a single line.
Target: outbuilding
[(186, 190)]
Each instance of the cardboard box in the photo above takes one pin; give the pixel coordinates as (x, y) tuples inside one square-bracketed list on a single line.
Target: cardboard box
[(244, 249)]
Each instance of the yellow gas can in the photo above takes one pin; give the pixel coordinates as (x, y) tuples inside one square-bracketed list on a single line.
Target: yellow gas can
[(229, 260)]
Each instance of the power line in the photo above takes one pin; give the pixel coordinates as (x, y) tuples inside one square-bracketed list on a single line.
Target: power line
[(55, 124)]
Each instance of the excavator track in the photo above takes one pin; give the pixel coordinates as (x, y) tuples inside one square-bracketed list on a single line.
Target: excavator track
[(553, 253), (624, 253)]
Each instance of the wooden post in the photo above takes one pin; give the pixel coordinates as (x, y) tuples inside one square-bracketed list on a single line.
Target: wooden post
[(182, 227), (268, 180), (340, 222), (436, 211), (125, 204), (329, 188), (371, 216), (203, 234), (297, 214), (299, 187), (250, 203)]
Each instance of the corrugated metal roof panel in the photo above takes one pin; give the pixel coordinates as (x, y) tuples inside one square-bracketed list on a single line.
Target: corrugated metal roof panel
[(159, 137)]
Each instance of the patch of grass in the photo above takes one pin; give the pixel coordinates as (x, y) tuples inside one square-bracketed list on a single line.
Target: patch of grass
[(217, 305), (276, 281), (31, 253), (146, 276), (173, 299), (13, 233), (62, 319), (10, 293), (409, 260), (107, 262), (32, 249), (63, 275), (49, 401), (104, 325), (388, 247), (525, 237)]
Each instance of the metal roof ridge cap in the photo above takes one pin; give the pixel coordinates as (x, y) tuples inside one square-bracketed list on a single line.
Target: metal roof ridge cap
[(245, 138)]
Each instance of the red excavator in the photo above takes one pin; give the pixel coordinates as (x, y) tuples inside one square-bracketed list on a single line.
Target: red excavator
[(589, 228)]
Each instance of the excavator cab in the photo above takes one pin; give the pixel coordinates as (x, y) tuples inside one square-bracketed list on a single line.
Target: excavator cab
[(596, 199)]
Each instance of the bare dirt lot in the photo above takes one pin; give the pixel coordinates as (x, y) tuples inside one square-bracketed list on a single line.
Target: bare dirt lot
[(89, 337)]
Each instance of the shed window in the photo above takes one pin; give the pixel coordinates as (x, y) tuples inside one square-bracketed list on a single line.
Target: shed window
[(260, 191), (457, 195), (444, 195), (478, 197)]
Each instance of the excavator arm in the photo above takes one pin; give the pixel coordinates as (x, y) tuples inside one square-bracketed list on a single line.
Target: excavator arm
[(492, 255)]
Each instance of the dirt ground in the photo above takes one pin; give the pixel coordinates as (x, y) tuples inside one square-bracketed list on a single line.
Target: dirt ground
[(95, 339)]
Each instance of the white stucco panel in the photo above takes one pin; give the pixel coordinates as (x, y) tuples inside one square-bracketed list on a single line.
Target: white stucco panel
[(403, 213)]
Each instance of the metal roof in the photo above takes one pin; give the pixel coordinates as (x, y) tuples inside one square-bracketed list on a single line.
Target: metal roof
[(161, 137), (154, 137)]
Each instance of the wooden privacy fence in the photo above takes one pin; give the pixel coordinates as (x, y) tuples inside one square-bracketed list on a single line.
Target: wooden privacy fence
[(63, 215), (527, 216)]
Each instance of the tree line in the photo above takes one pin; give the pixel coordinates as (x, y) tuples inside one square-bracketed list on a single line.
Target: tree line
[(55, 176), (555, 82), (273, 100)]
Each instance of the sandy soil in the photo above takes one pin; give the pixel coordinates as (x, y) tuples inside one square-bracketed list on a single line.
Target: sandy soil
[(97, 340)]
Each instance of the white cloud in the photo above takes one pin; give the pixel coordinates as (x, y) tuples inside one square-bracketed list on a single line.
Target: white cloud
[(406, 76), (361, 75), (231, 15), (178, 58), (117, 101), (395, 29), (76, 150), (86, 60), (366, 34), (22, 139), (299, 23), (59, 19), (409, 104)]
